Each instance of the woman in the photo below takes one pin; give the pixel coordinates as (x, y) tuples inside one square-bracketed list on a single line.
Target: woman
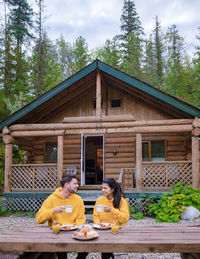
[(115, 209)]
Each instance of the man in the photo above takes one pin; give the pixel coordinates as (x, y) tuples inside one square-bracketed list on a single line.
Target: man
[(53, 208)]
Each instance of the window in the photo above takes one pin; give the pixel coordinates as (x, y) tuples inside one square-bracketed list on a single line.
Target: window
[(116, 103), (153, 151), (51, 152)]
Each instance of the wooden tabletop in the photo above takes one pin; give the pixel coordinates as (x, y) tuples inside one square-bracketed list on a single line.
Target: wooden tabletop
[(130, 239)]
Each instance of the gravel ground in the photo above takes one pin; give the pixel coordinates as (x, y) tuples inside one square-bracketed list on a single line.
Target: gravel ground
[(11, 221)]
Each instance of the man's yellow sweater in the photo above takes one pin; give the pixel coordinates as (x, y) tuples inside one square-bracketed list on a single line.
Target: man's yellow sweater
[(120, 215), (46, 212)]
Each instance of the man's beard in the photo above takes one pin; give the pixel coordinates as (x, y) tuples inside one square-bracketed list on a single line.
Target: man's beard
[(72, 191)]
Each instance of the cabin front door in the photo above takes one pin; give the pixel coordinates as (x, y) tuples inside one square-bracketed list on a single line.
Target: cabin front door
[(92, 159)]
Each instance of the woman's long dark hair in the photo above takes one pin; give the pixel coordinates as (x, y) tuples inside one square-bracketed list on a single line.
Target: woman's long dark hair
[(117, 191)]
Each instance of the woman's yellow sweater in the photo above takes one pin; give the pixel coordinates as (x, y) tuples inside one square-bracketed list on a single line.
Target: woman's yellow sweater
[(46, 212), (120, 215)]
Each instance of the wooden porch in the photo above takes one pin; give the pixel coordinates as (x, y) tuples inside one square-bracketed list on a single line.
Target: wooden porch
[(155, 176), (141, 176)]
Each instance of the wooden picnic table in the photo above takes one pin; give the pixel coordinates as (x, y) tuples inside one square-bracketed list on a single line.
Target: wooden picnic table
[(130, 239)]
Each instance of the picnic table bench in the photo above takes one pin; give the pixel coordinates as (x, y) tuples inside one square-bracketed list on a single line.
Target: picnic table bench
[(130, 239)]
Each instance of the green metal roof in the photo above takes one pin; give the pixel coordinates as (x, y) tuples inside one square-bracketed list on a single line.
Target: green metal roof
[(185, 107)]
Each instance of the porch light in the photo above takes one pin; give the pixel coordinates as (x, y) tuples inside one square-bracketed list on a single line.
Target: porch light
[(114, 152)]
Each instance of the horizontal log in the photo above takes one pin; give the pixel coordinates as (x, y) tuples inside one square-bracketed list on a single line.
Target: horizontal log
[(173, 128), (75, 146), (119, 140), (72, 141), (177, 153), (119, 135), (80, 125), (5, 131), (102, 118), (163, 137), (113, 171), (72, 151), (158, 129), (72, 156), (8, 139), (119, 149), (120, 165), (196, 123), (196, 132), (25, 147), (119, 160), (172, 158), (72, 161), (85, 131), (37, 133), (128, 154), (175, 148), (116, 145), (39, 157)]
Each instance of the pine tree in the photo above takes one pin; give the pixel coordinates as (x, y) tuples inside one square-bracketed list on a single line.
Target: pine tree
[(131, 39), (130, 22), (80, 55), (38, 65), (175, 55), (64, 56), (20, 20), (149, 67), (18, 32), (51, 71), (158, 51), (109, 53)]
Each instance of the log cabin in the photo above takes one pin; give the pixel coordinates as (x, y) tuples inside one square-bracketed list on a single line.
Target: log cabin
[(100, 123)]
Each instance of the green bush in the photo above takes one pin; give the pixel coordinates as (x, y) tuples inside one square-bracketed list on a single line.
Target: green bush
[(170, 206)]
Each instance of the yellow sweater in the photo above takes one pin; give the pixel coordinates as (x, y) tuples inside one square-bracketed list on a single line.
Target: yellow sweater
[(121, 214), (46, 212)]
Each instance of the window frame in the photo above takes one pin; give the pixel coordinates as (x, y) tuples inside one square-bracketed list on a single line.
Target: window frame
[(150, 149), (116, 99), (45, 151)]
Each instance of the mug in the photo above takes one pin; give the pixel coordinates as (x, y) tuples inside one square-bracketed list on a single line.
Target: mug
[(68, 208), (99, 208)]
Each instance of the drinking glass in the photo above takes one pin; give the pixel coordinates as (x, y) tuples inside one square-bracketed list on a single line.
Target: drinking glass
[(115, 228), (55, 227)]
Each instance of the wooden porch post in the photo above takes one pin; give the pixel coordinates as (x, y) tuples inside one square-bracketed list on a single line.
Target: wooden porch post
[(98, 95), (60, 158), (138, 162), (195, 161), (8, 167)]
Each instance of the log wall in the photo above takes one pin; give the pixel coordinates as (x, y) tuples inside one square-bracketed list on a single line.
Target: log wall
[(119, 150)]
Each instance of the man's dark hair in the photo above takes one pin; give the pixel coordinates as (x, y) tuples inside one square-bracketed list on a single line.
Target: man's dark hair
[(67, 179)]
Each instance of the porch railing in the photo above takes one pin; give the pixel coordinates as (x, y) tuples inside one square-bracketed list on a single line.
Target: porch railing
[(158, 175), (31, 177)]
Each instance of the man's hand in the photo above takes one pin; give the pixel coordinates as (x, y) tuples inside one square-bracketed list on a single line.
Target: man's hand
[(107, 209), (59, 209)]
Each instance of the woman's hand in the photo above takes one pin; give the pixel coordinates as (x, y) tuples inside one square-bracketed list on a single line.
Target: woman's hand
[(59, 209), (107, 209)]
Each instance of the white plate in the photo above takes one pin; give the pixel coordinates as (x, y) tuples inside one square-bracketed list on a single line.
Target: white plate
[(105, 225), (85, 239), (73, 227)]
